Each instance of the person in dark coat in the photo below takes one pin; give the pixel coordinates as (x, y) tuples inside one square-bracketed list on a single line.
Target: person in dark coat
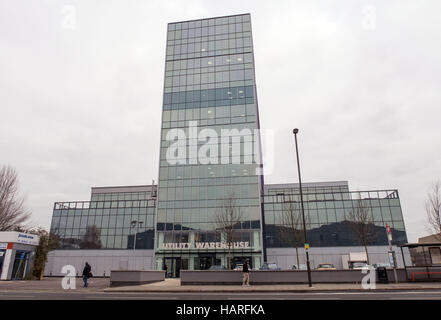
[(166, 271), (86, 273), (246, 274)]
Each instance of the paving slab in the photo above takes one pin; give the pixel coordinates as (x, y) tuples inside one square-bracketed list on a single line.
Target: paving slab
[(53, 284), (173, 285)]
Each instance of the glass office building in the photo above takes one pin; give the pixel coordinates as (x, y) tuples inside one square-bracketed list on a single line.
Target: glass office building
[(109, 220), (209, 89), (209, 170), (327, 208)]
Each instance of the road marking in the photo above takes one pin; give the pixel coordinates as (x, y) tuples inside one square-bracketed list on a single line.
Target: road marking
[(128, 297), (250, 298), (322, 298), (369, 292)]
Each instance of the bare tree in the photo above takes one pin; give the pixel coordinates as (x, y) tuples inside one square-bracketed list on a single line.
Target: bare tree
[(292, 230), (361, 221), (227, 219), (13, 213), (433, 207)]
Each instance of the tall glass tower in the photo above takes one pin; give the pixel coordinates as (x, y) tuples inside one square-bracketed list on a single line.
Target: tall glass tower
[(210, 185)]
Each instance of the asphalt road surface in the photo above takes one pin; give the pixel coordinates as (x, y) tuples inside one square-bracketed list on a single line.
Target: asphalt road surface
[(394, 295)]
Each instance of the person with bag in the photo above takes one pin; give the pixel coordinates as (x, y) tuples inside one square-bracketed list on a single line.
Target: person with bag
[(246, 274), (86, 273)]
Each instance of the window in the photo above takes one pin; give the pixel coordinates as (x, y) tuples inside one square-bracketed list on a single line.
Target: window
[(435, 255)]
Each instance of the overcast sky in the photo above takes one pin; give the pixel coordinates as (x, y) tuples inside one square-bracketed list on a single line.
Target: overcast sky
[(81, 91)]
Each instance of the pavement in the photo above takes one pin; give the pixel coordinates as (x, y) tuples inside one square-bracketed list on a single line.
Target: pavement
[(179, 298), (102, 285), (174, 285), (53, 284)]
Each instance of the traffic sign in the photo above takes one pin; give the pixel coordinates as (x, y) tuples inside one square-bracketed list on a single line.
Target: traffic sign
[(306, 246)]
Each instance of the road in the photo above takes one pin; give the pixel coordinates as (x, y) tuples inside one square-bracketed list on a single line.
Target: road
[(394, 295)]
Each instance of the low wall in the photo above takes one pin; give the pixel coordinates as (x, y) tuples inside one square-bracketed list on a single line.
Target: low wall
[(135, 277), (102, 261), (208, 277), (279, 277), (429, 273), (401, 275)]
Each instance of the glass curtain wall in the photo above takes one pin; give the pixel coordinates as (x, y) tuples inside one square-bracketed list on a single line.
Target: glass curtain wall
[(327, 215), (209, 87), (104, 224)]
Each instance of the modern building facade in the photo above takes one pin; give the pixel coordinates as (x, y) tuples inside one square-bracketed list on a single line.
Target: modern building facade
[(108, 220), (209, 95), (92, 231), (211, 205), (328, 206), (102, 231)]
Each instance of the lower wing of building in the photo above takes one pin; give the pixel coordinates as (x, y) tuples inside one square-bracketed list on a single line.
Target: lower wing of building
[(117, 229)]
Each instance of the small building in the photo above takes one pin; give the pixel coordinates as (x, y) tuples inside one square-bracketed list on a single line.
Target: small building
[(17, 250), (425, 259), (427, 252)]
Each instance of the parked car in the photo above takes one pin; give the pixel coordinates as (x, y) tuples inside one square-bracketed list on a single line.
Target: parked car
[(301, 267), (385, 265), (358, 265), (217, 268), (326, 266), (238, 267), (270, 266)]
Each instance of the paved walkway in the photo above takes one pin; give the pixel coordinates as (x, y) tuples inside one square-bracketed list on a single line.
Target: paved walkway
[(53, 284), (174, 285)]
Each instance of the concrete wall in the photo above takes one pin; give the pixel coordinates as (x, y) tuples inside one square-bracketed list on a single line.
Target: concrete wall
[(279, 277), (286, 257), (101, 261), (135, 277), (189, 277)]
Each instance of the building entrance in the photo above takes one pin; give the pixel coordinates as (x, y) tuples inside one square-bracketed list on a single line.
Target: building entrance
[(205, 261), (2, 257), (173, 266), (20, 265)]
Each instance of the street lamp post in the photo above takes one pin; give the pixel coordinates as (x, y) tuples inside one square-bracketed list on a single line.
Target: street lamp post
[(295, 131)]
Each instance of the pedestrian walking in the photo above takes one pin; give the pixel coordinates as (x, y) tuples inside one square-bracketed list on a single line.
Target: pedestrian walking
[(246, 274), (87, 273), (166, 271)]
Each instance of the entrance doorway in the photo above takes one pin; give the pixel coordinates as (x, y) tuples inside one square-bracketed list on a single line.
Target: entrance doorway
[(173, 266), (205, 261), (20, 265), (2, 257)]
